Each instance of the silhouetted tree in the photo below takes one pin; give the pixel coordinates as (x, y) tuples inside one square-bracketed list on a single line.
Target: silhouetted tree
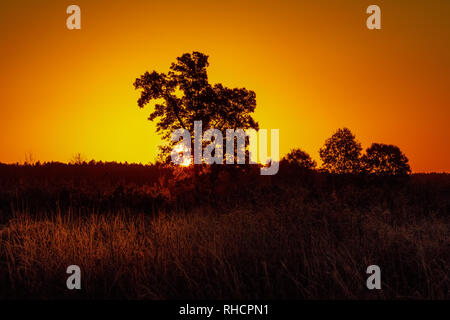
[(299, 158), (187, 96), (385, 159), (341, 153)]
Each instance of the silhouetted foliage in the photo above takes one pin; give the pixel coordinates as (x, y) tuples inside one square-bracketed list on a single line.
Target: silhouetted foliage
[(299, 158), (141, 218), (307, 233), (341, 152), (188, 96), (78, 158), (385, 159)]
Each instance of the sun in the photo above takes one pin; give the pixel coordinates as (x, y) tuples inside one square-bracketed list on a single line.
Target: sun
[(186, 162), (180, 148)]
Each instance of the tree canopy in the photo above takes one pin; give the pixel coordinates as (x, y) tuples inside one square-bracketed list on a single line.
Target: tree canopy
[(184, 95), (341, 152), (385, 159), (299, 158)]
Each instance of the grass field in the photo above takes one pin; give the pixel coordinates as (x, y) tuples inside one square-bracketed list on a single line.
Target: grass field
[(298, 237)]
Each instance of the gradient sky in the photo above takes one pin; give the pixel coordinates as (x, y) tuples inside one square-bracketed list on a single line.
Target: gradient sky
[(314, 66)]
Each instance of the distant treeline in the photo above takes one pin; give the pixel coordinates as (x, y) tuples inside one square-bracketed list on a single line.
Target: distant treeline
[(102, 187)]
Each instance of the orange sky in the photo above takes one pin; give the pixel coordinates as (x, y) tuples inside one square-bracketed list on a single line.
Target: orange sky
[(314, 66)]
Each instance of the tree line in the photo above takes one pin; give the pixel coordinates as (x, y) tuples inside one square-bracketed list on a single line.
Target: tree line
[(184, 95), (342, 154)]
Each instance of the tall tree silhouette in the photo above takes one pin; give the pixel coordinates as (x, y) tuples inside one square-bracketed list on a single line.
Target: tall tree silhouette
[(187, 96), (341, 152), (385, 159)]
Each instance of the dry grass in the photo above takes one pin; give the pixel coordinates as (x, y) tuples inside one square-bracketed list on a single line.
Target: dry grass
[(281, 252)]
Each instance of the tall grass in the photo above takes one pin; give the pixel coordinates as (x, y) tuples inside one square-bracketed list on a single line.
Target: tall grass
[(294, 249)]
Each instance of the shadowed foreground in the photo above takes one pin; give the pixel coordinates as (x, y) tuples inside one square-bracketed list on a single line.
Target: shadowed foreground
[(296, 243)]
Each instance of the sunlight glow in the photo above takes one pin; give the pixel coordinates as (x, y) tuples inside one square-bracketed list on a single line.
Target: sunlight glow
[(180, 149)]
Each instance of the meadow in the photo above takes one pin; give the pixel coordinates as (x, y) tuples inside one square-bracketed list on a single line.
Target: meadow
[(151, 232)]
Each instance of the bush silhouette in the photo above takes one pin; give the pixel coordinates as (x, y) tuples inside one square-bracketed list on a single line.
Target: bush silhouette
[(341, 153), (299, 158)]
